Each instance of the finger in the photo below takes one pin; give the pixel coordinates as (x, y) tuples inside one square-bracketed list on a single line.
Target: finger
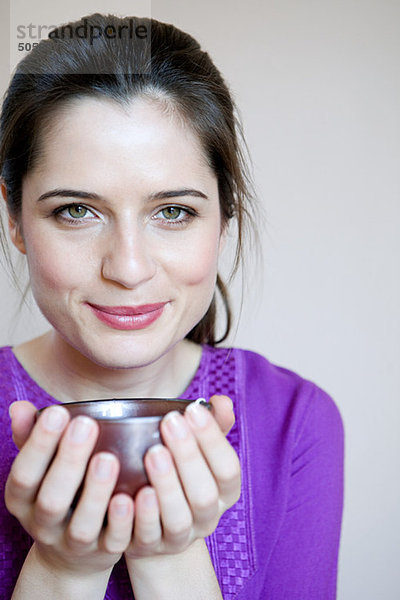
[(66, 472), (23, 417), (33, 460), (197, 480), (222, 410), (147, 532), (175, 513), (118, 531), (217, 451), (88, 517)]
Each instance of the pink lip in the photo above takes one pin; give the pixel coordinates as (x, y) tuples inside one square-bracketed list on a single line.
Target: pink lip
[(127, 311), (128, 317)]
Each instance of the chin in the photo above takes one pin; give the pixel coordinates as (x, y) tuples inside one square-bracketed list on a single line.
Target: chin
[(123, 354)]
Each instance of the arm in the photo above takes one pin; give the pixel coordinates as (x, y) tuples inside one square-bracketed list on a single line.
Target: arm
[(304, 560), (38, 582), (72, 555), (189, 574), (168, 558)]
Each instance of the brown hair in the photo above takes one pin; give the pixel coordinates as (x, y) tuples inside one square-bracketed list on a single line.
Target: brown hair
[(172, 68)]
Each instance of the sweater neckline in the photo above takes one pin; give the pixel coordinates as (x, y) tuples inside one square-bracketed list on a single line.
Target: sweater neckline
[(23, 375)]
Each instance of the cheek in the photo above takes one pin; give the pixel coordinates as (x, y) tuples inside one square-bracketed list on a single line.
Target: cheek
[(197, 265), (52, 268)]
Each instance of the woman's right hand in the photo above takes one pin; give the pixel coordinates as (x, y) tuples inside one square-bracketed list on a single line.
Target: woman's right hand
[(42, 484)]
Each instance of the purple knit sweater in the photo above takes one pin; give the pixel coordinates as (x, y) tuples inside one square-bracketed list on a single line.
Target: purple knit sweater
[(280, 540)]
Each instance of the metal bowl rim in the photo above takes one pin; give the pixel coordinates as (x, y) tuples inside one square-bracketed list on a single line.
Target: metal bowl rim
[(126, 420)]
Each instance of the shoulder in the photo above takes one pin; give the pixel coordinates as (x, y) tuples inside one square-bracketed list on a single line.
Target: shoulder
[(7, 381), (6, 364), (281, 396), (5, 352), (8, 394)]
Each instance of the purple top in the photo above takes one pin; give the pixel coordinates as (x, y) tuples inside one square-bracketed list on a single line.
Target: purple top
[(280, 540)]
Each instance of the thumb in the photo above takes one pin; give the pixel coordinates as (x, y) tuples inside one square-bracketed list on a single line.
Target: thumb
[(223, 412), (23, 417)]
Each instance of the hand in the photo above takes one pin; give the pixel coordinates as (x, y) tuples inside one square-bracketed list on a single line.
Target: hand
[(197, 480), (43, 482), (23, 417)]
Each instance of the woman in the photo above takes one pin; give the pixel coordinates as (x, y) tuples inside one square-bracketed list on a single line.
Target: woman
[(121, 171)]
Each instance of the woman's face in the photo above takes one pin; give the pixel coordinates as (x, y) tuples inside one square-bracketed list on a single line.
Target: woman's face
[(145, 230)]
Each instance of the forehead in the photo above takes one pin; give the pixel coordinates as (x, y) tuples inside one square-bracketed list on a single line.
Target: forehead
[(145, 131)]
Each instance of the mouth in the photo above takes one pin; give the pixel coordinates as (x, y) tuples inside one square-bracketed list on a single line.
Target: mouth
[(128, 311), (128, 317)]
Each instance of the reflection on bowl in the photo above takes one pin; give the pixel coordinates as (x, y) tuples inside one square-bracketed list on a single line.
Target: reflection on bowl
[(128, 427)]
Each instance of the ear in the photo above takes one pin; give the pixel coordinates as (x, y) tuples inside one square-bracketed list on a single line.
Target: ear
[(14, 228), (16, 235)]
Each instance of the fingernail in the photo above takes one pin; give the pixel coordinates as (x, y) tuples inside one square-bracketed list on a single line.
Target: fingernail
[(103, 466), (159, 459), (121, 508), (10, 408), (176, 425), (198, 414), (200, 400), (54, 418), (149, 498), (80, 429)]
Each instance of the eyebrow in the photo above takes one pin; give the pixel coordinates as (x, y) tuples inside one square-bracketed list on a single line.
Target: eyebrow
[(62, 192)]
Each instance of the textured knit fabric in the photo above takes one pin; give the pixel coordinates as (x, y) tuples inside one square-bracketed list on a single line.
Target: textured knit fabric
[(280, 540)]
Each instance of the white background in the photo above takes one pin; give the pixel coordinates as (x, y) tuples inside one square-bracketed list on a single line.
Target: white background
[(318, 87)]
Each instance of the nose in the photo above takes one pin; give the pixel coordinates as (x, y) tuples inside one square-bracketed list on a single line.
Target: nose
[(127, 258)]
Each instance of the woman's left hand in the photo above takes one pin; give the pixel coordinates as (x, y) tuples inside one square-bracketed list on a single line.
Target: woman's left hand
[(194, 479)]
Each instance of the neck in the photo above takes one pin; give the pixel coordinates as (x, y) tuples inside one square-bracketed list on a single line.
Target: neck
[(68, 376)]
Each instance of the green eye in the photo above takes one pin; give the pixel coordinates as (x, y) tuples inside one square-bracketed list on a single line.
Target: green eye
[(78, 209), (171, 213)]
